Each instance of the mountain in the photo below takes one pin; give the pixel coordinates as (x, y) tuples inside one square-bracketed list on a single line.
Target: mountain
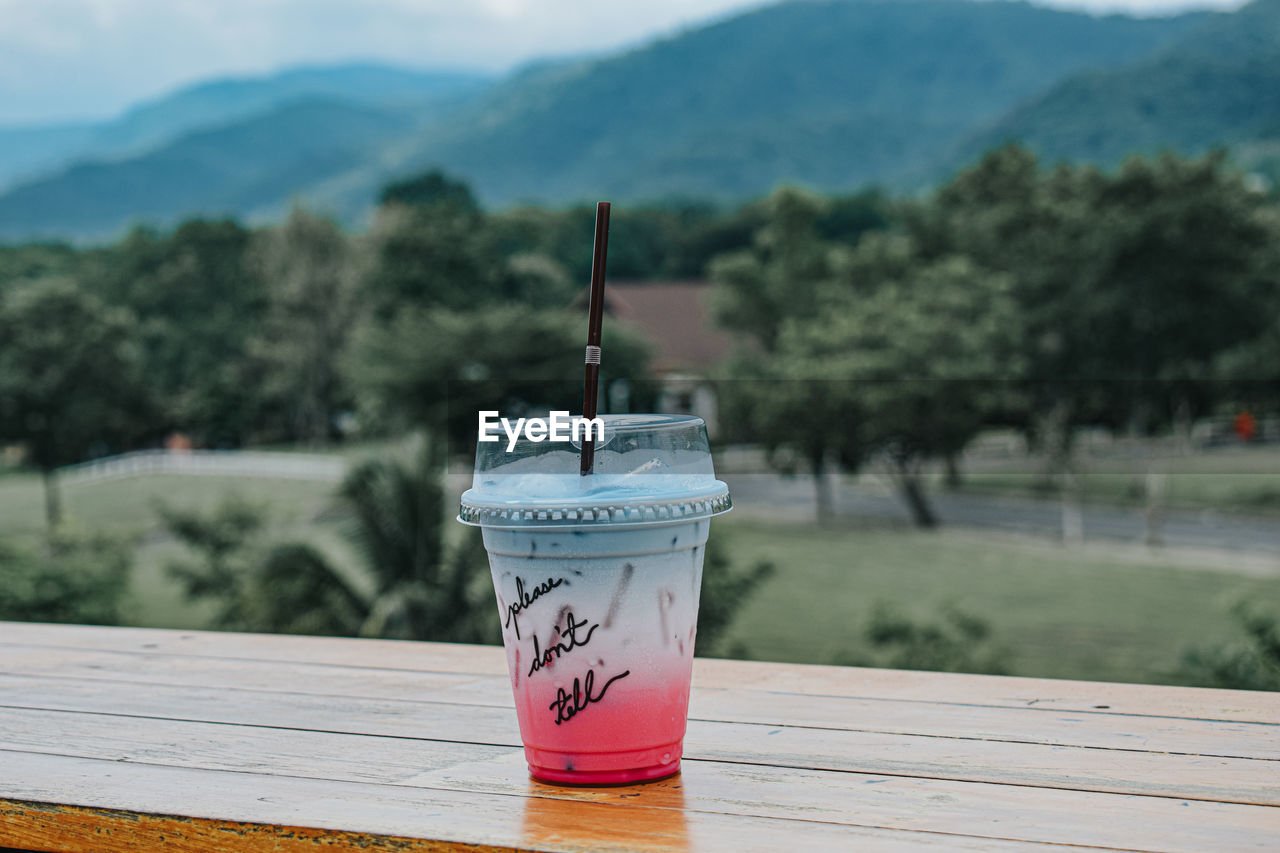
[(249, 169), (1218, 85), (829, 93), (25, 151)]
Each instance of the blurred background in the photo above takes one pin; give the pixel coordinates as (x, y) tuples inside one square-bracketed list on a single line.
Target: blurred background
[(980, 300)]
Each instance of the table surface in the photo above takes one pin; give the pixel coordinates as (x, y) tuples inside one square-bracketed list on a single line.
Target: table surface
[(120, 739)]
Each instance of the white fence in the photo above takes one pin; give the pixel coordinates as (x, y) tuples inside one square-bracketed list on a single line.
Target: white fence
[(222, 463)]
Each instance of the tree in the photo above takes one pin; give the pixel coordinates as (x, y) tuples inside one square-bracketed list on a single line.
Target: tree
[(431, 249), (313, 274), (198, 304), (430, 189), (1130, 285), (779, 276), (437, 369), (771, 398), (398, 578), (71, 378), (923, 349)]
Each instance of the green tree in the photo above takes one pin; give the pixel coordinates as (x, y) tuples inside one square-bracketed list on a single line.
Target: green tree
[(778, 278), (313, 272), (924, 349), (433, 251), (398, 578), (74, 577), (955, 641), (771, 397), (1130, 285), (1250, 663), (439, 368), (430, 189), (71, 378), (198, 304)]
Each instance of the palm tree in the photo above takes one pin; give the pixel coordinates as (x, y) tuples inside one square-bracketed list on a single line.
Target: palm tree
[(403, 581)]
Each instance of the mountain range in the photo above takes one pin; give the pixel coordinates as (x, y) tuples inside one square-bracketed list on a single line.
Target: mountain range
[(832, 94)]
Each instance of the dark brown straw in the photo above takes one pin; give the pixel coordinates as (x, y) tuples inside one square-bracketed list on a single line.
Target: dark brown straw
[(591, 385)]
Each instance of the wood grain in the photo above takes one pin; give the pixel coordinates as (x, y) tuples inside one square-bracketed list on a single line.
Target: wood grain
[(854, 799), (529, 820), (439, 734), (388, 709), (111, 739), (1002, 691)]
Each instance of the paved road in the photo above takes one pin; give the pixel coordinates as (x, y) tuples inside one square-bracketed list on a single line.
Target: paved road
[(1179, 528)]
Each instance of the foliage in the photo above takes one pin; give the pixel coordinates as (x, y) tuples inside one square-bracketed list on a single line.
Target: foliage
[(923, 350), (401, 580), (71, 377), (313, 274), (1251, 663), (1129, 286), (431, 255), (955, 642), (725, 588), (73, 577), (198, 304), (437, 369), (779, 277), (428, 190)]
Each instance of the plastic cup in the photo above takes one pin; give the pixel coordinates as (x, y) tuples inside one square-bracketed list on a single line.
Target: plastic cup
[(597, 581)]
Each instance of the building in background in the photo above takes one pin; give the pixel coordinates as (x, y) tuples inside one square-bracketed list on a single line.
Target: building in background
[(675, 317)]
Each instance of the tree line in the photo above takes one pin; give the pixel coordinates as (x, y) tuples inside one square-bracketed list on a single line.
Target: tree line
[(1013, 296), (871, 328)]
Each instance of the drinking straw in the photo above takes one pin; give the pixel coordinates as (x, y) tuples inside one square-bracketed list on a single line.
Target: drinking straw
[(591, 383)]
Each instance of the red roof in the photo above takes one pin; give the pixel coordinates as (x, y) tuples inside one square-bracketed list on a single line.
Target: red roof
[(675, 317)]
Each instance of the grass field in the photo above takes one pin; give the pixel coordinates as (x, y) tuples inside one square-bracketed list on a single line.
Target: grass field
[(129, 507), (1096, 613), (1057, 612)]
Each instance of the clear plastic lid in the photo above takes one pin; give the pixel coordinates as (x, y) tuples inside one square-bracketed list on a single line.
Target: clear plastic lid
[(648, 468)]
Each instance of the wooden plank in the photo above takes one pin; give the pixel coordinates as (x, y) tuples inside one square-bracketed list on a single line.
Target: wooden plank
[(738, 792), (386, 759), (1015, 725), (597, 819), (1156, 774), (852, 682)]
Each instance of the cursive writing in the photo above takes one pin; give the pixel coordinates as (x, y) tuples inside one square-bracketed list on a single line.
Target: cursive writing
[(567, 705), (545, 658), (525, 598)]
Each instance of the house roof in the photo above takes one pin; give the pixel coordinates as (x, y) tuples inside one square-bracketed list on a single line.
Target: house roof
[(675, 317)]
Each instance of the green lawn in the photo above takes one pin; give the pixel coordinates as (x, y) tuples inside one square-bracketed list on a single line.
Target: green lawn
[(1059, 613), (1098, 613), (128, 507)]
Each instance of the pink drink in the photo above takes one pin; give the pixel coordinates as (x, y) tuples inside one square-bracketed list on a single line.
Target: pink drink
[(597, 581), (599, 627)]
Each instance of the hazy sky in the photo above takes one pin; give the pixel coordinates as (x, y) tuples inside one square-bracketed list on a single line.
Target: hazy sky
[(64, 59)]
